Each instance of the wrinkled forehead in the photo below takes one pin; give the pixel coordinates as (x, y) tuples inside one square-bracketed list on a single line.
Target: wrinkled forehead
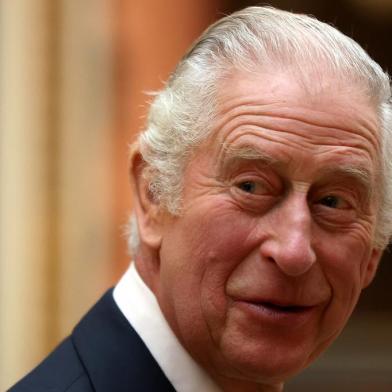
[(299, 93), (328, 114)]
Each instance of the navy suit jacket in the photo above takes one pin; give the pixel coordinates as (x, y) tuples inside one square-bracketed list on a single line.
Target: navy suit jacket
[(103, 354)]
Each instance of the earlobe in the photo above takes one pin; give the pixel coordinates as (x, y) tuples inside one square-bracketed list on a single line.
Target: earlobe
[(146, 207), (371, 268)]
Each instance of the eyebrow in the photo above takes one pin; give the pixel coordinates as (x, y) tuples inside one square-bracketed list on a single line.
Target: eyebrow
[(361, 174), (232, 154)]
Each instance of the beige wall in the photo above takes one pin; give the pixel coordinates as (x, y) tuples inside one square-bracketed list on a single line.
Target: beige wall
[(56, 148), (25, 203), (71, 76)]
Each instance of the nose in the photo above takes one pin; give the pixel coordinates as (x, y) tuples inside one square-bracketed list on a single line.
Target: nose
[(289, 242)]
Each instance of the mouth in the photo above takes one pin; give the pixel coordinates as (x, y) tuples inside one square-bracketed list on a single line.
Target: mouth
[(275, 313), (273, 307)]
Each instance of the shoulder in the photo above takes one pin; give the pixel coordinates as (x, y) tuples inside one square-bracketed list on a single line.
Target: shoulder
[(104, 353), (61, 371)]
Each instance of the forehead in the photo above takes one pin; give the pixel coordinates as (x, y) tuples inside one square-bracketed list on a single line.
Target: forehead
[(317, 97), (295, 119)]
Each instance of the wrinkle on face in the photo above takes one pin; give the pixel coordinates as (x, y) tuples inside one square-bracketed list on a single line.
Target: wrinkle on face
[(280, 104), (285, 118), (226, 243), (306, 140)]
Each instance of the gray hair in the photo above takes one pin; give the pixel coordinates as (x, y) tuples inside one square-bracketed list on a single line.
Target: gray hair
[(181, 115)]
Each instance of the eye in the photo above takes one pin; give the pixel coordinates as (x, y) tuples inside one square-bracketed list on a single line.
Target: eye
[(247, 186), (332, 201), (252, 187)]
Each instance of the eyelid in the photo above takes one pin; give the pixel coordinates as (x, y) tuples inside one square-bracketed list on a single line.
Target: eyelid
[(257, 179), (343, 214), (351, 196), (262, 174)]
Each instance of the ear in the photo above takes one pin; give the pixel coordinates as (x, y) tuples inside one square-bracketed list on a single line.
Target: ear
[(147, 209), (371, 268)]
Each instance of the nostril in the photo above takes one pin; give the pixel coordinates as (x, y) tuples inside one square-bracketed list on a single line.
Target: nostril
[(292, 254), (270, 259), (293, 261)]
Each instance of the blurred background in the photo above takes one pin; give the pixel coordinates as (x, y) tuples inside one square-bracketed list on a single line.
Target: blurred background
[(73, 77)]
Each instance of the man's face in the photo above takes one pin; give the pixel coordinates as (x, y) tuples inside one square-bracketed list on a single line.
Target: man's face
[(274, 243)]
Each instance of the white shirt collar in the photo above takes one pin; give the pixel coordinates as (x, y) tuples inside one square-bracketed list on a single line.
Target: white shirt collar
[(140, 307)]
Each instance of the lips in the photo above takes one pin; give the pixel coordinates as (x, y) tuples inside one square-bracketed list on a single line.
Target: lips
[(282, 308), (278, 302), (276, 313)]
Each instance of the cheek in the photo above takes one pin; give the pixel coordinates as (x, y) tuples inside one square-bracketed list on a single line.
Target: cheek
[(227, 243), (198, 255), (343, 261), (219, 238)]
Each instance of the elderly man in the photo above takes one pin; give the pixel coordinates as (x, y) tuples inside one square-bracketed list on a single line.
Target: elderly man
[(263, 189)]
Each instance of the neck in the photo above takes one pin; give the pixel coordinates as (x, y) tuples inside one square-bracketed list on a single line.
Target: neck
[(147, 270)]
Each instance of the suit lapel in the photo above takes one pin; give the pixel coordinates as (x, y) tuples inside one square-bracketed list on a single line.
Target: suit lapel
[(114, 356)]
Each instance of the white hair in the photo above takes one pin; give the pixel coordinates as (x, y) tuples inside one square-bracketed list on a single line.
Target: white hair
[(252, 39)]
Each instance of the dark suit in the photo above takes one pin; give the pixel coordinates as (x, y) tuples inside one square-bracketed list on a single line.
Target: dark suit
[(103, 354)]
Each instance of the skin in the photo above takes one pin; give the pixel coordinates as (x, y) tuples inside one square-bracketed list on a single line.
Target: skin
[(264, 265)]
